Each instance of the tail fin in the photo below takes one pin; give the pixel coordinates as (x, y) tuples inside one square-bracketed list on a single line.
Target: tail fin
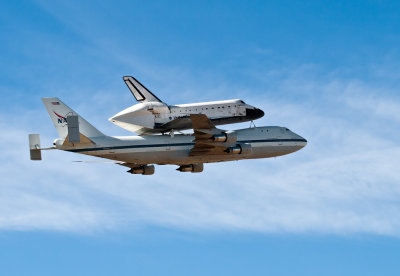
[(141, 93), (59, 112)]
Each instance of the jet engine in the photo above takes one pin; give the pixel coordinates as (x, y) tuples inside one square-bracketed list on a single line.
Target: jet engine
[(145, 170), (239, 149), (194, 168), (226, 137)]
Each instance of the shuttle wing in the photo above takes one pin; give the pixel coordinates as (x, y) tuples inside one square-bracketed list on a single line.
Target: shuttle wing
[(139, 91), (178, 123)]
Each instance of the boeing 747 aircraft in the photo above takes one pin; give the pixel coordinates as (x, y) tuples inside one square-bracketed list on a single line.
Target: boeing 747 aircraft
[(151, 115), (189, 152)]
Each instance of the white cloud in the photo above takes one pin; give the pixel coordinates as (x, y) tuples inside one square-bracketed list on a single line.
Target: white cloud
[(344, 181)]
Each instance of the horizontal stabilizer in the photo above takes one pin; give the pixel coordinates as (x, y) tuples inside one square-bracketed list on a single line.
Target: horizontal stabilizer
[(34, 147), (96, 161)]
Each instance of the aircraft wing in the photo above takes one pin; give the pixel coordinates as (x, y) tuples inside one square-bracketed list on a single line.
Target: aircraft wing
[(135, 168), (178, 123), (204, 132)]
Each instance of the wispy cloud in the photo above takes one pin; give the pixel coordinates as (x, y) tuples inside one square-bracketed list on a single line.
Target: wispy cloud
[(344, 181)]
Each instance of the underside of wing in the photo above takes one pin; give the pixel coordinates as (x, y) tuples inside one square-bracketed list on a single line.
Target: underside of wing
[(207, 149), (178, 123), (205, 133)]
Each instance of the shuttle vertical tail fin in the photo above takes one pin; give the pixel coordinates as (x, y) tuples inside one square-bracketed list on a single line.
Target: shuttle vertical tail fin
[(139, 91)]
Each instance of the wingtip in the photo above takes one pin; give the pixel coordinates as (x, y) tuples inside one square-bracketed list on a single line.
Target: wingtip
[(125, 78)]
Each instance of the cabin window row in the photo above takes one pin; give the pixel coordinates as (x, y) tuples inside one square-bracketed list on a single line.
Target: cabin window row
[(190, 110)]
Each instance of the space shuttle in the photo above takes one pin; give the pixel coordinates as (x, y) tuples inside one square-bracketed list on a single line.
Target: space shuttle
[(152, 116)]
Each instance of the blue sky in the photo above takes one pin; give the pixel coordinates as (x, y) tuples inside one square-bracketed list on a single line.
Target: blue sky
[(328, 70)]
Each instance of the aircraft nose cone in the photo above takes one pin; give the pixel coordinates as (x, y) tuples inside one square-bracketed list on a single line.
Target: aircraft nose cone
[(254, 113), (303, 142)]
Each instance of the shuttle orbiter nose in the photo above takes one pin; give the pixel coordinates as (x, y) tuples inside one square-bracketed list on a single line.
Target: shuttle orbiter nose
[(254, 113)]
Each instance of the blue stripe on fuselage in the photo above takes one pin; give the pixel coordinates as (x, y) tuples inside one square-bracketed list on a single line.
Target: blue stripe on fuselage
[(180, 145)]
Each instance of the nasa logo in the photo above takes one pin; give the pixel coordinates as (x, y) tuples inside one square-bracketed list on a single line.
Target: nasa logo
[(60, 119)]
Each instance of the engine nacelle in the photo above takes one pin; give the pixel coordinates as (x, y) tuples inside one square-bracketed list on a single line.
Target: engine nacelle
[(145, 170), (239, 149), (228, 137), (234, 150), (246, 148), (194, 168)]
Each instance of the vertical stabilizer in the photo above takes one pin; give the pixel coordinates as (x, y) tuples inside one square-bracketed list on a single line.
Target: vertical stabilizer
[(59, 112), (139, 91)]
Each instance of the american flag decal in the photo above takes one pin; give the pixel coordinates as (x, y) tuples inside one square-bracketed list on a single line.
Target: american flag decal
[(55, 103)]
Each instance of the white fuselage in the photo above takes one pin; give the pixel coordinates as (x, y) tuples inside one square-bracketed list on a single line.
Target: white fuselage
[(166, 149), (158, 117)]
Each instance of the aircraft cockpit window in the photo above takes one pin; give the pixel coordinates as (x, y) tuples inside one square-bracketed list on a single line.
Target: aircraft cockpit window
[(287, 129), (242, 102)]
